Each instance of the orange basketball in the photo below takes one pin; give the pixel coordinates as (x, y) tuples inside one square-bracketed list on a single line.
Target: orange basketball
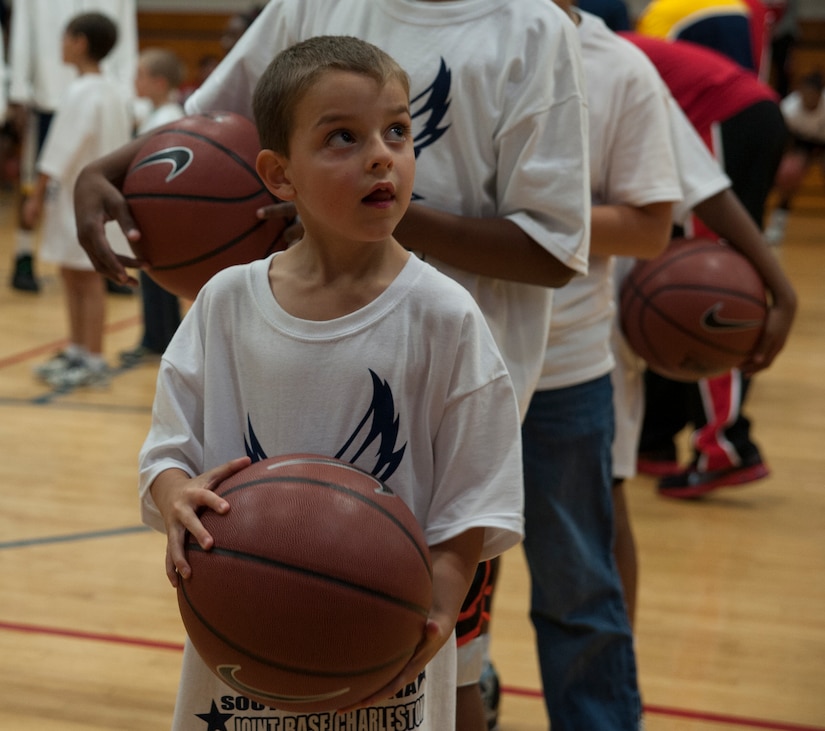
[(696, 311), (317, 590), (194, 192)]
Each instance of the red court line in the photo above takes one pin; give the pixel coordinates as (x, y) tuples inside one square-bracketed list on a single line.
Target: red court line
[(699, 716), (56, 345), (95, 636)]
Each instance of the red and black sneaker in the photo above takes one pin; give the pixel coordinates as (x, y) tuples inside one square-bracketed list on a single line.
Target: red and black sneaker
[(693, 483)]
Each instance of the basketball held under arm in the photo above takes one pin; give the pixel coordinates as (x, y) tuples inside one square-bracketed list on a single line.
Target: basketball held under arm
[(491, 247), (98, 199)]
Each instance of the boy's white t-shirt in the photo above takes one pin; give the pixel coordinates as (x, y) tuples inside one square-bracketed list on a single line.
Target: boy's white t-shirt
[(410, 388), (631, 163), (499, 120), (92, 120)]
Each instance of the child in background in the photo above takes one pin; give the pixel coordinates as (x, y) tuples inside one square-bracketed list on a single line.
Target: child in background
[(158, 80), (804, 113), (708, 196), (38, 78), (585, 642), (346, 316), (739, 119), (93, 119)]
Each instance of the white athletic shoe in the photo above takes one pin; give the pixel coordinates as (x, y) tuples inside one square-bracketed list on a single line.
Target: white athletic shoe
[(775, 231), (57, 364), (78, 374)]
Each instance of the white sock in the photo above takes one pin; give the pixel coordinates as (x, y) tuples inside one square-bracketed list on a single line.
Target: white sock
[(76, 352), (23, 243), (96, 362)]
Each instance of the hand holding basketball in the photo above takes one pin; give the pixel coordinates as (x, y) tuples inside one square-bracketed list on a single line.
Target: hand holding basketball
[(179, 498), (317, 590), (194, 193), (697, 310)]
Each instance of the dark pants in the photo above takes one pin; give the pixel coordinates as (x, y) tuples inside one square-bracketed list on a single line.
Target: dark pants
[(161, 314)]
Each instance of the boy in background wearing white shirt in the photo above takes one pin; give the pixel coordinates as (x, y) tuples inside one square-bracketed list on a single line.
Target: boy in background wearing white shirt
[(38, 78), (94, 118), (159, 77)]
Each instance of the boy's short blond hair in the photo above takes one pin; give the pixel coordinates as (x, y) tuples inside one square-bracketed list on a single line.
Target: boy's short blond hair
[(163, 63), (293, 71)]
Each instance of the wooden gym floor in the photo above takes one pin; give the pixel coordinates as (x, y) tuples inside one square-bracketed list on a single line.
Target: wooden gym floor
[(731, 619)]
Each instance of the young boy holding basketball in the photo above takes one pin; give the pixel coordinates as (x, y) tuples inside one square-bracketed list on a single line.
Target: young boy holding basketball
[(501, 202), (346, 345)]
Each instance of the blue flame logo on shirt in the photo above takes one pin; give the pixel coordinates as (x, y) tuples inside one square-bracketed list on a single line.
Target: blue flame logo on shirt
[(428, 110), (431, 106), (377, 428)]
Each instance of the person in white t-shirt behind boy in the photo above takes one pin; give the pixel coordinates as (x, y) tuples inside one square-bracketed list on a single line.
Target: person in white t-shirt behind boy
[(584, 637)]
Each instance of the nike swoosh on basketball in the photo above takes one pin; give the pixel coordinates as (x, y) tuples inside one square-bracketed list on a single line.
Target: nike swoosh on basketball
[(178, 157), (712, 321), (229, 675)]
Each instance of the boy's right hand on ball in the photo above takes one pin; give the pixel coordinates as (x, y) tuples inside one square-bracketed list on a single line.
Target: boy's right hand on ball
[(180, 498)]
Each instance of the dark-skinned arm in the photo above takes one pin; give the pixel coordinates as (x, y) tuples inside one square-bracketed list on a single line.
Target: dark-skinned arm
[(725, 214), (491, 247)]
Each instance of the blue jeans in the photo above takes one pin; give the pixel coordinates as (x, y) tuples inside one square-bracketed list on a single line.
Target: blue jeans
[(585, 643)]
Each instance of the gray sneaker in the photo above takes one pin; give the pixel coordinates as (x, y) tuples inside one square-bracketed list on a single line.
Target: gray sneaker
[(490, 694), (57, 364), (78, 374)]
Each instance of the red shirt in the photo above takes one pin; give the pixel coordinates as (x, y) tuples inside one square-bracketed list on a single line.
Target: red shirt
[(708, 86)]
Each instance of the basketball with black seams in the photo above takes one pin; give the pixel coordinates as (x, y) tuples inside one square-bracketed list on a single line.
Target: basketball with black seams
[(695, 311), (194, 194), (317, 590)]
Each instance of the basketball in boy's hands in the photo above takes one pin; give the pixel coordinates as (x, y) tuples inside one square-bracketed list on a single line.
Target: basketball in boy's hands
[(317, 590), (695, 311), (194, 192)]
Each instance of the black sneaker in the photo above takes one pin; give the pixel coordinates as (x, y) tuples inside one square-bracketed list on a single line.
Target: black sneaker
[(115, 288), (23, 278), (138, 355), (490, 694), (693, 483)]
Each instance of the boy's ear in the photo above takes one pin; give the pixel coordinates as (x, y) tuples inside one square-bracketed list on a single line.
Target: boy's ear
[(272, 170)]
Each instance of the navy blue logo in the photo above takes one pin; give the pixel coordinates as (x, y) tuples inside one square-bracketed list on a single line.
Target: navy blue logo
[(431, 106), (377, 430)]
